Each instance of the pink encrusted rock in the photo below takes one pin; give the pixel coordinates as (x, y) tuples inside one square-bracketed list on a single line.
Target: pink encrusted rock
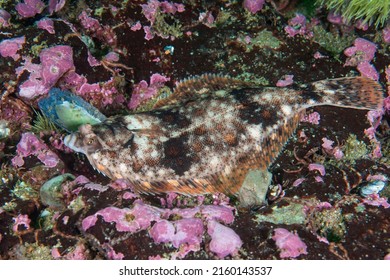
[(136, 26), (386, 34), (218, 212), (336, 152), (224, 241), (253, 6), (162, 231), (360, 55), (363, 48), (368, 70), (286, 81), (187, 231), (150, 10), (290, 245), (46, 24), (21, 220), (112, 57), (125, 219), (111, 254), (28, 145), (313, 118), (10, 47), (375, 200), (142, 91), (30, 8), (4, 18), (335, 18), (56, 5), (327, 144), (298, 181), (298, 26), (56, 61), (55, 253), (149, 33), (319, 167)]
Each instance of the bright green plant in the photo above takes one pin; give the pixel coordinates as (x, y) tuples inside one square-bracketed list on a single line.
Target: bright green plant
[(369, 11)]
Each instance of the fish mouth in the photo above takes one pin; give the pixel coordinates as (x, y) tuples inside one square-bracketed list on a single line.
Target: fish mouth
[(70, 141)]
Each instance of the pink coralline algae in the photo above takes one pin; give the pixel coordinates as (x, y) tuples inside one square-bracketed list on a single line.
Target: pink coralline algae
[(30, 8), (375, 117), (224, 241), (336, 152), (290, 245), (253, 6), (218, 212), (286, 81), (132, 220), (361, 55), (375, 200), (10, 47), (103, 33), (184, 231), (386, 34), (207, 19), (56, 5), (151, 9), (46, 24), (21, 220), (318, 167), (298, 181), (136, 26), (313, 118), (335, 18), (112, 255), (142, 91), (4, 18), (55, 62), (29, 145), (299, 26)]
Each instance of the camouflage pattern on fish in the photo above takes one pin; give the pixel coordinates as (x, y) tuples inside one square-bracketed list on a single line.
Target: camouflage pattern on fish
[(207, 135)]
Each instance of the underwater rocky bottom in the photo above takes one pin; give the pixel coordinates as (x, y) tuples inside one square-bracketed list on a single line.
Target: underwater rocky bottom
[(320, 214)]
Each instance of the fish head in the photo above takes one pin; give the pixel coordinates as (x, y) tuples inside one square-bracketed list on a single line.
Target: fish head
[(84, 140), (92, 138)]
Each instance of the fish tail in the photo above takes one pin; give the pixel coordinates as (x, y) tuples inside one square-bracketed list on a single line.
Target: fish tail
[(353, 92)]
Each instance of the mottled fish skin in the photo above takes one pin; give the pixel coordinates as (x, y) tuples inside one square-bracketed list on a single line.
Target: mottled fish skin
[(208, 144)]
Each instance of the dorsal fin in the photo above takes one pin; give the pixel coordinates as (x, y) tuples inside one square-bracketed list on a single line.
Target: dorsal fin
[(199, 87)]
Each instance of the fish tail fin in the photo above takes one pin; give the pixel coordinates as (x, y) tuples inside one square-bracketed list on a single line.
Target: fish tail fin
[(354, 92)]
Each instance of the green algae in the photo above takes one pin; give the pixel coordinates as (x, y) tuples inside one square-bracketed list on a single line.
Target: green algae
[(288, 215), (42, 124), (354, 149), (77, 204), (37, 48), (34, 251), (263, 39), (165, 29), (332, 42), (329, 223), (51, 192), (148, 105), (372, 12), (24, 191)]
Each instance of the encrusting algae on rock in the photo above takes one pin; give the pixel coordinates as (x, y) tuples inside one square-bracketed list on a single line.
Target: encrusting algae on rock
[(207, 135)]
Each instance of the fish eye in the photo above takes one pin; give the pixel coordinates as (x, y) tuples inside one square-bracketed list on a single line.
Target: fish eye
[(90, 141)]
